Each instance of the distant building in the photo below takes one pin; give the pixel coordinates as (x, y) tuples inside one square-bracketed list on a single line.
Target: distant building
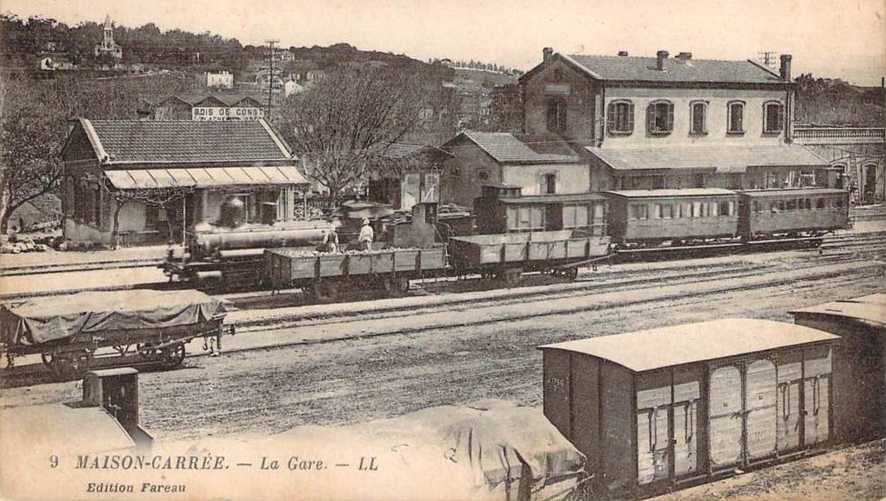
[(219, 106), (56, 62), (221, 79), (292, 87), (108, 46)]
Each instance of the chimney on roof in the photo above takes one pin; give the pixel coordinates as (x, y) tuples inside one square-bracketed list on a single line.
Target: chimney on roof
[(546, 54), (660, 59), (684, 56), (785, 72), (623, 53)]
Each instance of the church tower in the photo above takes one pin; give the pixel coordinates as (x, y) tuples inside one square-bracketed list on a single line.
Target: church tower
[(108, 45)]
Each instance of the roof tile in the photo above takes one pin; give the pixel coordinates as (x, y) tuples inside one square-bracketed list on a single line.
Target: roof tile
[(675, 70)]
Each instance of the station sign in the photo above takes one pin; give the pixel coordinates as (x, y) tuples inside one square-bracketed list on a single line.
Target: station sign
[(204, 113)]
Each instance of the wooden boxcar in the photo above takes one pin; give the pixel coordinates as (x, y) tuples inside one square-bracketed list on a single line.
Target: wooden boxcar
[(502, 209), (663, 407), (767, 213), (654, 216), (859, 362)]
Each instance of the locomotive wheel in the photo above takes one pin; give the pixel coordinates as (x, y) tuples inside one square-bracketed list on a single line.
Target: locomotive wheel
[(172, 356), (325, 291)]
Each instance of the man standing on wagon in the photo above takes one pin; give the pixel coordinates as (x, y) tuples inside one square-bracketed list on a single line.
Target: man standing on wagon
[(366, 235)]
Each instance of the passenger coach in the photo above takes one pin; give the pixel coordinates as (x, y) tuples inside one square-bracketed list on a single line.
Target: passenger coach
[(649, 217)]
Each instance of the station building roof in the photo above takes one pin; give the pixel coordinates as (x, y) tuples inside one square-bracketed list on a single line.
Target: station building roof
[(508, 148), (690, 343)]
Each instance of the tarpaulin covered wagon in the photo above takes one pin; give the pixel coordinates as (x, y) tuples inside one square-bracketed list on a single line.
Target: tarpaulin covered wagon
[(136, 326)]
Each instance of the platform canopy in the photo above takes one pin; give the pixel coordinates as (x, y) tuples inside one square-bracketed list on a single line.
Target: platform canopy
[(204, 177), (689, 343), (723, 159)]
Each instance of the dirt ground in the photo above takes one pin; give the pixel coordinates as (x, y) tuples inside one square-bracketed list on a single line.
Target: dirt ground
[(466, 353)]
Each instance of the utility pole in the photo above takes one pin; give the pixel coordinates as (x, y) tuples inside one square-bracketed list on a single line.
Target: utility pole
[(270, 73)]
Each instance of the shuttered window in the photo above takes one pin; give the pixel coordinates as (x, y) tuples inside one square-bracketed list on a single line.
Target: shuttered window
[(621, 118), (773, 117), (735, 117), (698, 111), (660, 117)]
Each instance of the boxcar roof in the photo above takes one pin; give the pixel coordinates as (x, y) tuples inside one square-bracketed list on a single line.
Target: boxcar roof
[(685, 192), (800, 192), (688, 343), (869, 309), (565, 197)]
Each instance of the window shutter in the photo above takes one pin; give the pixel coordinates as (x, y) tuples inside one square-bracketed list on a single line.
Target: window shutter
[(670, 116), (630, 117), (650, 118), (610, 118), (561, 115), (780, 117)]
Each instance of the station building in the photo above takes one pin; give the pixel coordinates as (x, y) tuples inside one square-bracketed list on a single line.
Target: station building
[(155, 179), (672, 122)]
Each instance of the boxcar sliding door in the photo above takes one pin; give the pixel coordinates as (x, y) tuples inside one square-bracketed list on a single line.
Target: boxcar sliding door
[(790, 381), (742, 415), (653, 444), (685, 410), (816, 394)]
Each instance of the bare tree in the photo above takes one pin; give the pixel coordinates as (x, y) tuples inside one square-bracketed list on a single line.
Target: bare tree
[(160, 198), (30, 165), (344, 124)]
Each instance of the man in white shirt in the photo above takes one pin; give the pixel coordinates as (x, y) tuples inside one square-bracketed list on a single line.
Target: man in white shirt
[(366, 236)]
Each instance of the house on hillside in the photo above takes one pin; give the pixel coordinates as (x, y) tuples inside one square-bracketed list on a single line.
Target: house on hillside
[(167, 176), (671, 122), (539, 164)]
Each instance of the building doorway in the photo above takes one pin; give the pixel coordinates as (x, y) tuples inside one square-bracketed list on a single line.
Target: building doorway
[(869, 188)]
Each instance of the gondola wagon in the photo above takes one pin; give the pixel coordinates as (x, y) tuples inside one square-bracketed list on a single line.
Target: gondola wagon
[(133, 327)]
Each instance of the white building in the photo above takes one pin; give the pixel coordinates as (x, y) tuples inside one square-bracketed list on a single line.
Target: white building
[(221, 79), (108, 45)]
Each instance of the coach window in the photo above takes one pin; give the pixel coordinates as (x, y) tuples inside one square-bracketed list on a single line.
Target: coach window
[(819, 203), (757, 206), (838, 203), (773, 117), (621, 118), (660, 118), (724, 208), (735, 117), (639, 211), (698, 111)]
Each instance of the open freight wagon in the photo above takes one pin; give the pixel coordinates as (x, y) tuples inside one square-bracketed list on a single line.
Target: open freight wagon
[(326, 275), (658, 409), (131, 327), (509, 255)]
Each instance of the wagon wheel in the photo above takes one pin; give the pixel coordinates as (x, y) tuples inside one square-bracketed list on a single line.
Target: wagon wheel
[(326, 291), (570, 273), (68, 365), (396, 285), (172, 356), (511, 276), (147, 351)]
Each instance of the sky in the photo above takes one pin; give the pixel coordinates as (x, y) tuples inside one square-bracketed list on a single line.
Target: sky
[(830, 38)]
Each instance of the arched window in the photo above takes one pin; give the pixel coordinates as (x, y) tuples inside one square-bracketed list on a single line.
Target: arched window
[(735, 117), (660, 117), (698, 111), (556, 113), (773, 117), (620, 117)]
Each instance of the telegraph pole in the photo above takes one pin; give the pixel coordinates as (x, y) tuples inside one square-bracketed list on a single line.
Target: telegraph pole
[(270, 73)]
